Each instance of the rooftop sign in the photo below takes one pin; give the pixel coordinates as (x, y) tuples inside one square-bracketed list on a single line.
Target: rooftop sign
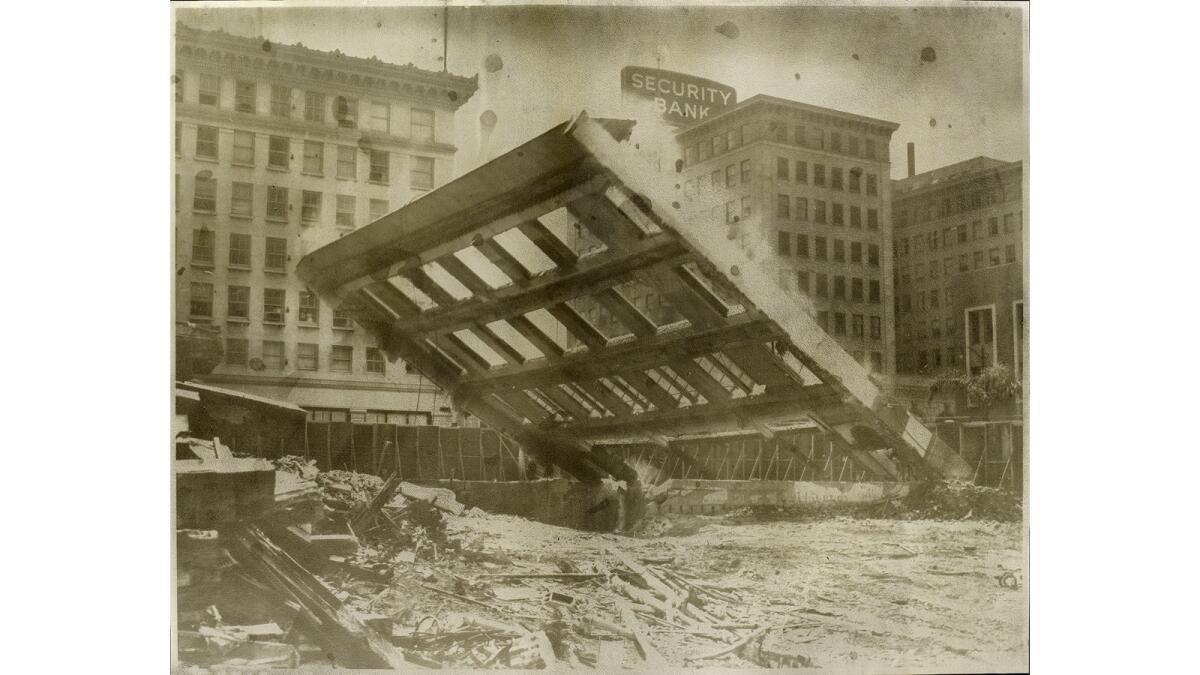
[(680, 99)]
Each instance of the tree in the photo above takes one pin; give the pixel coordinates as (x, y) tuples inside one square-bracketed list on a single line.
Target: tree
[(989, 387)]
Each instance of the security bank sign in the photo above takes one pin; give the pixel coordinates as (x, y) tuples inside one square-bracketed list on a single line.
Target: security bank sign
[(679, 98)]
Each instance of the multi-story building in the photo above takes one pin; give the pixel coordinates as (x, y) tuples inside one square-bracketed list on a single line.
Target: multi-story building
[(960, 293), (278, 150), (806, 190)]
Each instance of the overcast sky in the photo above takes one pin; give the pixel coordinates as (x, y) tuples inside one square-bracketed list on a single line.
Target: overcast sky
[(969, 101)]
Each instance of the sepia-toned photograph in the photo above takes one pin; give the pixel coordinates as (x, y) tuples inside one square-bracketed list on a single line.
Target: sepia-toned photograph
[(594, 337)]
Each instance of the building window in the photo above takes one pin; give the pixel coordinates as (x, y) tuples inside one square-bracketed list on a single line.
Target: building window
[(421, 126), (422, 173), (239, 250), (731, 214), (821, 249), (178, 86), (856, 217), (179, 139), (718, 145), (705, 151), (1008, 223), (856, 325), (783, 206), (932, 240), (278, 152), (379, 167), (238, 302), (245, 95), (236, 351), (310, 206), (204, 197), (872, 219), (210, 90), (802, 209), (801, 172), (241, 203), (206, 142), (314, 158), (822, 285), (977, 230), (342, 319), (202, 246), (692, 155), (962, 233), (802, 245), (839, 250), (731, 175), (309, 308), (819, 211), (964, 263), (745, 170), (856, 250), (819, 175), (375, 362), (272, 354), (872, 184), (345, 111), (273, 301), (994, 256), (314, 106), (201, 299), (839, 323), (347, 162), (733, 138), (243, 148), (838, 214), (276, 254), (281, 101), (345, 211), (856, 289), (876, 328), (947, 267), (341, 359), (856, 180), (981, 342), (993, 227), (785, 243), (378, 209), (381, 116), (1010, 253), (277, 206), (823, 320), (874, 287), (782, 166), (835, 178), (839, 287), (306, 356), (978, 256), (802, 280)]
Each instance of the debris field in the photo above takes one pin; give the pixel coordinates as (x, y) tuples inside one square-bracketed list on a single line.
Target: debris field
[(390, 574)]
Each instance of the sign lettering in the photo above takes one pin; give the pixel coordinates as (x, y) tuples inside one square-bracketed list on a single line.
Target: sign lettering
[(680, 99)]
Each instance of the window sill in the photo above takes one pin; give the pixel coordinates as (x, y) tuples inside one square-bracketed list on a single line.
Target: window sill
[(200, 318), (205, 158), (242, 164), (353, 179), (278, 169), (345, 328), (236, 321), (309, 222), (275, 271), (276, 219), (238, 268), (309, 324), (381, 183), (202, 212), (348, 228), (242, 216), (274, 324), (208, 265), (311, 174)]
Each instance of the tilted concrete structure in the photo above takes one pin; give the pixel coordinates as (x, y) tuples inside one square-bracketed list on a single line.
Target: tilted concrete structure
[(475, 286)]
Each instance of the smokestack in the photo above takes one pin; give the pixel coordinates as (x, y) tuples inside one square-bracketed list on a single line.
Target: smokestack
[(912, 159)]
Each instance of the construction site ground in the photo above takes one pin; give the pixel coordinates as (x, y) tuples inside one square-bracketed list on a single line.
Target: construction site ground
[(848, 594)]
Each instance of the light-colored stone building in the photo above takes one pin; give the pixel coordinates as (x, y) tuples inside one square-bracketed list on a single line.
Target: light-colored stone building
[(280, 149)]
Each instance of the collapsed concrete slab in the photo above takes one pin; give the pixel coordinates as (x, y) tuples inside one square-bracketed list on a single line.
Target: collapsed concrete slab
[(483, 287)]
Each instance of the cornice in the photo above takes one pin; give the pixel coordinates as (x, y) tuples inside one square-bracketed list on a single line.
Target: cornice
[(303, 66)]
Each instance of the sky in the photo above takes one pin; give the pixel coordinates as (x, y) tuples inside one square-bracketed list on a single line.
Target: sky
[(556, 60)]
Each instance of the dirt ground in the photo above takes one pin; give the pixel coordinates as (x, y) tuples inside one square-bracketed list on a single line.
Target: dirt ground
[(855, 595)]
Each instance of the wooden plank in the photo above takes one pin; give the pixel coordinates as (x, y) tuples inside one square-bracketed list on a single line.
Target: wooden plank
[(578, 326), (647, 387), (555, 249), (542, 342), (700, 380), (630, 316), (564, 401), (644, 353), (592, 275), (606, 398), (428, 286), (503, 260), (465, 275)]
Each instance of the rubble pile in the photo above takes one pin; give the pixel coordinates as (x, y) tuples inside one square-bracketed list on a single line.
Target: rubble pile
[(954, 500)]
